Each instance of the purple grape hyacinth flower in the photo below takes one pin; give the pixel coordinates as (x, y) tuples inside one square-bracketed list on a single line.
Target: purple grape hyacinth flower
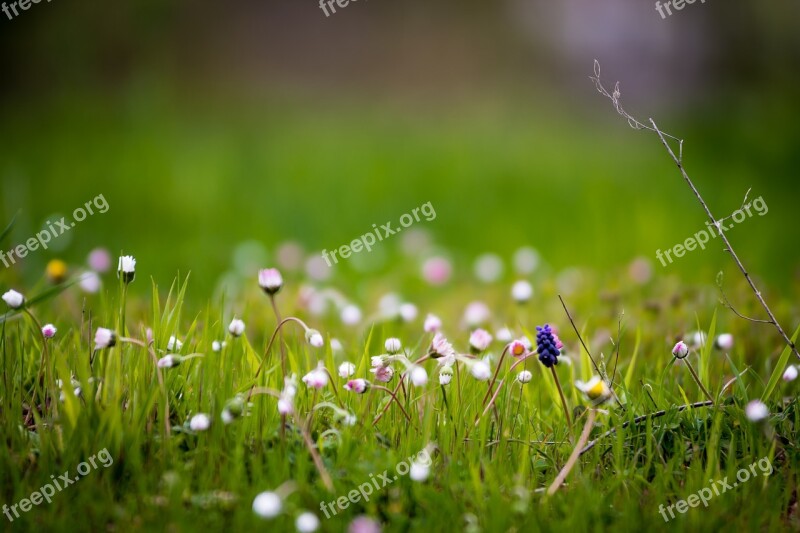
[(547, 345)]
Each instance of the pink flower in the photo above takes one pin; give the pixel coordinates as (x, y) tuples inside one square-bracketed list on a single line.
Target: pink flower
[(680, 350), (441, 347), (383, 374), (432, 324), (49, 331), (99, 260), (359, 386), (270, 280), (480, 340), (476, 314), (436, 270), (517, 348), (559, 344), (317, 378), (364, 524)]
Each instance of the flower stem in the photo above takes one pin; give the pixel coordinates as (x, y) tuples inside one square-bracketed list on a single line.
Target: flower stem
[(283, 346), (561, 394), (44, 366), (697, 379), (399, 403)]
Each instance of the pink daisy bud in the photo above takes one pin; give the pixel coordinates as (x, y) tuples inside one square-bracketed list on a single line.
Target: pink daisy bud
[(432, 324), (479, 340), (168, 361), (756, 411), (393, 345), (104, 338), (270, 280), (680, 350), (314, 338), (790, 374), (347, 369), (359, 386), (384, 374), (436, 270), (724, 342), (49, 331), (236, 327), (364, 524), (316, 379)]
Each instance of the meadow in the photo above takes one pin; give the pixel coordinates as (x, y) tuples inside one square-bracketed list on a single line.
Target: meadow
[(202, 415)]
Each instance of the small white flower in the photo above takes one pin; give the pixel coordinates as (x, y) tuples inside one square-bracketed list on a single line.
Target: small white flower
[(347, 369), (49, 331), (285, 406), (724, 342), (336, 345), (349, 419), (481, 370), (522, 291), (696, 339), (526, 260), (350, 315), (445, 375), (217, 346), (199, 422), (314, 338), (168, 361), (488, 268), (236, 327), (525, 376), (307, 523), (790, 374), (756, 411), (419, 472), (90, 282), (267, 505), (432, 324), (476, 314), (174, 344), (408, 312), (126, 268), (393, 345), (504, 335), (13, 299), (480, 339), (418, 376), (104, 338)]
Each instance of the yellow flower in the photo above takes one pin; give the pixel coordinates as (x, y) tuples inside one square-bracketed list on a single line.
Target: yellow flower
[(56, 271), (595, 389)]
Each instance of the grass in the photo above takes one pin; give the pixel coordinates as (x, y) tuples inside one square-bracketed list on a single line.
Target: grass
[(489, 477)]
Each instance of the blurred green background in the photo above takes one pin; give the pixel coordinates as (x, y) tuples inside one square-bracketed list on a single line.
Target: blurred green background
[(205, 126)]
